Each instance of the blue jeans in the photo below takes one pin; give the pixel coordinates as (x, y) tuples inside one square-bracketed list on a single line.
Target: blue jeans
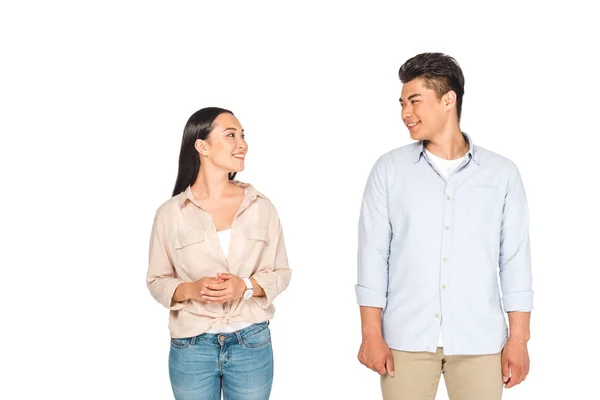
[(240, 364)]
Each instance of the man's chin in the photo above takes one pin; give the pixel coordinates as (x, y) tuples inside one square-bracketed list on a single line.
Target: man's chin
[(415, 136)]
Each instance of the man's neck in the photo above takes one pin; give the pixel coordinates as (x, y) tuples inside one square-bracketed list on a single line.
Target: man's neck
[(449, 145)]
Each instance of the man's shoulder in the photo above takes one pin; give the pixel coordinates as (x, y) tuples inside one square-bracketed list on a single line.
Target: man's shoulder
[(400, 154), (492, 158)]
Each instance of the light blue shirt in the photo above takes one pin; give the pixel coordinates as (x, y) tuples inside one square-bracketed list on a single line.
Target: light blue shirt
[(431, 251)]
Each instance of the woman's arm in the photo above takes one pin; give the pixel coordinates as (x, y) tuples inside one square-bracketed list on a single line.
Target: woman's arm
[(160, 278)]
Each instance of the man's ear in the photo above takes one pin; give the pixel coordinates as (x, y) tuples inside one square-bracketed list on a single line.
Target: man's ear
[(450, 98)]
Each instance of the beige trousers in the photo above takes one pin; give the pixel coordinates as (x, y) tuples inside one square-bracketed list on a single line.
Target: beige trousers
[(417, 376)]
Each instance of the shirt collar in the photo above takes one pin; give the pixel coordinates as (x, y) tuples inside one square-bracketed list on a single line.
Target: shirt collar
[(251, 193), (472, 153)]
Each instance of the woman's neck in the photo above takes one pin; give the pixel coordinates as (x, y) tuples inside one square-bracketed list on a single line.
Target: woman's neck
[(211, 185)]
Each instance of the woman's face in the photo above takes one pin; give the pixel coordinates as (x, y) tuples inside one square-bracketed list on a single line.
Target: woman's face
[(225, 146)]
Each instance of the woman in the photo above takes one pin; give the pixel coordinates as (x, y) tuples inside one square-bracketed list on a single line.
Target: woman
[(217, 261)]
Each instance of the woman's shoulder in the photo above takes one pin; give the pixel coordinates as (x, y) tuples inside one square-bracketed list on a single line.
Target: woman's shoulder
[(255, 195), (251, 191), (171, 205)]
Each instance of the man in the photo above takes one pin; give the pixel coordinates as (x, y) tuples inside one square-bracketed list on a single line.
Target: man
[(440, 217)]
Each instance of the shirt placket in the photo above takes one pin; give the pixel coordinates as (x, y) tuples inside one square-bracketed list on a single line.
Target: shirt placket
[(233, 244), (235, 237), (445, 262), (444, 316)]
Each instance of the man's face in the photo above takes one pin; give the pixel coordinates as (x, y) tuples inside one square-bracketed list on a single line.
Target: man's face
[(423, 113)]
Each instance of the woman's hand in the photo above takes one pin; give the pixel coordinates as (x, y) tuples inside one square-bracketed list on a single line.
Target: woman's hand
[(193, 290), (226, 287)]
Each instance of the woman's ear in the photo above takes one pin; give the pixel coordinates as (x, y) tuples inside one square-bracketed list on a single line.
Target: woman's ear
[(201, 147)]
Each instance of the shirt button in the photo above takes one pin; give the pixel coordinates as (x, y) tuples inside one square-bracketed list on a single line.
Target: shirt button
[(448, 198), (447, 228), (445, 259), (443, 286), (437, 315)]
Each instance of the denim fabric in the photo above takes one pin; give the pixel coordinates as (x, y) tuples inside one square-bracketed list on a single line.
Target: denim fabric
[(239, 365)]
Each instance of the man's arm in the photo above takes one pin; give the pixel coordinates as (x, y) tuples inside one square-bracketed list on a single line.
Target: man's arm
[(519, 325), (374, 238), (515, 357), (516, 279), (374, 352)]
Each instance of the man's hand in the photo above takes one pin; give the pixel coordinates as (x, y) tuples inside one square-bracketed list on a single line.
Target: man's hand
[(375, 354), (515, 362), (227, 287)]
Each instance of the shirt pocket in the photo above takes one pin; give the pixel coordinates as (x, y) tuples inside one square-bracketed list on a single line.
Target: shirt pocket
[(257, 235), (482, 205), (256, 240), (189, 245)]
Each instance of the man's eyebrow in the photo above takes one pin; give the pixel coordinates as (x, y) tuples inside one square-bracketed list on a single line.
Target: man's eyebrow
[(410, 97)]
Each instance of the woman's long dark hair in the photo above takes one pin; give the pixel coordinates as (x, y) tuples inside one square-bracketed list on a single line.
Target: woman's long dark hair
[(197, 127)]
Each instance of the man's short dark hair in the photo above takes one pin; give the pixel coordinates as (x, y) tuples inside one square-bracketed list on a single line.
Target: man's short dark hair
[(439, 72)]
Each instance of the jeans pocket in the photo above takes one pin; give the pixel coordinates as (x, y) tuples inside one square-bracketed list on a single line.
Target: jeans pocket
[(180, 343), (257, 338)]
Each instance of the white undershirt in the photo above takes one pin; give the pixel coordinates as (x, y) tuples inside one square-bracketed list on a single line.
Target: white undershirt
[(224, 239), (446, 168)]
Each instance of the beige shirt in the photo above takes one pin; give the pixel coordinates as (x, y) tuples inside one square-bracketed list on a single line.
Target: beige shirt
[(184, 247)]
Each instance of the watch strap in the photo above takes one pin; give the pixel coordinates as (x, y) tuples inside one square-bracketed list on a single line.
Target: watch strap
[(248, 283)]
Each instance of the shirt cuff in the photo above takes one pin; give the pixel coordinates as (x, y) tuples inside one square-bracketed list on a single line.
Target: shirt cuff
[(171, 287), (265, 301), (369, 297), (520, 301)]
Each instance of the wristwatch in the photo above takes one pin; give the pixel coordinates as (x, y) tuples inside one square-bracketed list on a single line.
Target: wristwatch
[(249, 289)]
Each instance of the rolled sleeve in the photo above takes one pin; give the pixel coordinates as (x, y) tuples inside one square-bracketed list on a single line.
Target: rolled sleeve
[(518, 301), (369, 297), (515, 252), (160, 279), (374, 237), (275, 274)]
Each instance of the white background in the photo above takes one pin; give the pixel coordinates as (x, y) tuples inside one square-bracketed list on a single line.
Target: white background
[(94, 97)]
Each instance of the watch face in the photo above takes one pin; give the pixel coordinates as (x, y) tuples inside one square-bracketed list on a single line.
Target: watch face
[(248, 294)]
